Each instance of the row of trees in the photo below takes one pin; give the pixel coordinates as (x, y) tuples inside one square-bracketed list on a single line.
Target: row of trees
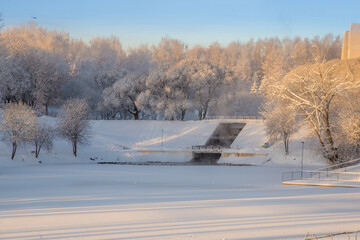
[(20, 125), (44, 68), (290, 81)]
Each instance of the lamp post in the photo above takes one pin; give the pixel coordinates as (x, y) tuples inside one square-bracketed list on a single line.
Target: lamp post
[(302, 159)]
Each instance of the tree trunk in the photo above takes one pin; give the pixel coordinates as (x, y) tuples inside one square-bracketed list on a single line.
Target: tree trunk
[(286, 143), (136, 115), (37, 150), (13, 151), (204, 115), (183, 115), (74, 144), (200, 115), (333, 151)]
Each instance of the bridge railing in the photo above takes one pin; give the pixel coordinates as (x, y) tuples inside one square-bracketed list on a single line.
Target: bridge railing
[(203, 147), (234, 117)]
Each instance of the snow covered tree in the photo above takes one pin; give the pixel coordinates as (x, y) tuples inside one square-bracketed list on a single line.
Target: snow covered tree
[(206, 80), (122, 95), (94, 67), (82, 82), (50, 75), (74, 125), (326, 48), (19, 124), (314, 89), (15, 81), (36, 65), (280, 123), (107, 57), (158, 97), (139, 59), (301, 53), (43, 137), (273, 70), (127, 90), (169, 51)]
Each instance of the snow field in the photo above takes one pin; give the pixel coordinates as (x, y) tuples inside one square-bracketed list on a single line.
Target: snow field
[(164, 141), (90, 201), (75, 198)]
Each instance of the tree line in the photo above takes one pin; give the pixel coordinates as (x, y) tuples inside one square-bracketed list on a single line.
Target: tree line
[(44, 68), (291, 81)]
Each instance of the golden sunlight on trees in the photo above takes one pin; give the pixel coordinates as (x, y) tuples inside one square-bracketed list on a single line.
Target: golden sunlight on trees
[(318, 92)]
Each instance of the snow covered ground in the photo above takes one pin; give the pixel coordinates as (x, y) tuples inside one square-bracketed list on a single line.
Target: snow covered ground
[(90, 201), (75, 198), (142, 141)]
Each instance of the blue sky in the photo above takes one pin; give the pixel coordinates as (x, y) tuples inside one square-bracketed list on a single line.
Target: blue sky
[(192, 21)]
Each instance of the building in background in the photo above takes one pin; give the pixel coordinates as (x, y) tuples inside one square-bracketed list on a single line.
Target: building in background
[(351, 42)]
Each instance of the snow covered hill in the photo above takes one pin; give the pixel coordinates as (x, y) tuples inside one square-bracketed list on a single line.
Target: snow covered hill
[(169, 141)]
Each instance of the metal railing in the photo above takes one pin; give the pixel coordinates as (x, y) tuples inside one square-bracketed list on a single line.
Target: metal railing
[(234, 117), (203, 147), (321, 175), (340, 166)]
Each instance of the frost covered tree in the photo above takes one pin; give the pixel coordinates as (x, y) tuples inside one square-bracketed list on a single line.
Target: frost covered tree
[(314, 90), (50, 75), (123, 94), (107, 57), (43, 137), (206, 80), (138, 59), (280, 123), (158, 95), (127, 90), (273, 70), (19, 124), (81, 83), (169, 90), (301, 52), (180, 85), (36, 65), (74, 125), (164, 93), (93, 68), (169, 51), (15, 81)]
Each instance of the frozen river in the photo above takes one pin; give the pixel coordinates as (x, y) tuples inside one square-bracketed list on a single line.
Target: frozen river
[(89, 201)]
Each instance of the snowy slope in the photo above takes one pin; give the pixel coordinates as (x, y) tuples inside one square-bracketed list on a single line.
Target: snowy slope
[(122, 141), (252, 137), (170, 141)]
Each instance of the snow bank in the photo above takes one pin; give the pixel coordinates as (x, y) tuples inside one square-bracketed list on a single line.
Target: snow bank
[(123, 140), (167, 141)]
